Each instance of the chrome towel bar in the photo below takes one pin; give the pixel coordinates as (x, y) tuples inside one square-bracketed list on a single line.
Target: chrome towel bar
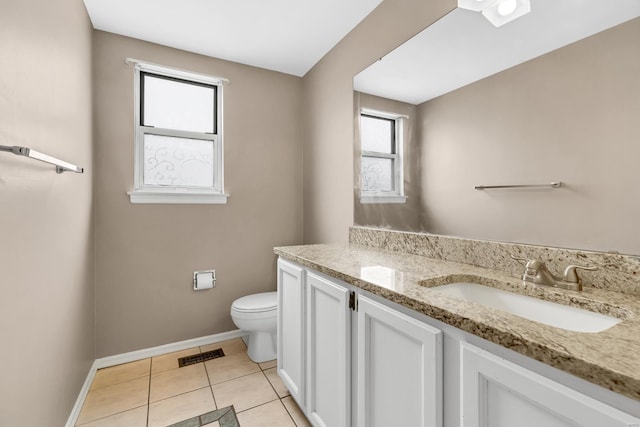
[(553, 184), (61, 166)]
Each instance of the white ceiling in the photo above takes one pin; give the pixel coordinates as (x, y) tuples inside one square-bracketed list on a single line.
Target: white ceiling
[(464, 47), (282, 35)]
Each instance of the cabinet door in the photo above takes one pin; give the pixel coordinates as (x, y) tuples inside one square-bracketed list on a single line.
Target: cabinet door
[(399, 369), (329, 353), (498, 393), (291, 343)]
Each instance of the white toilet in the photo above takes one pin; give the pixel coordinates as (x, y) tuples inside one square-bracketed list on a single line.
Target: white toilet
[(257, 314)]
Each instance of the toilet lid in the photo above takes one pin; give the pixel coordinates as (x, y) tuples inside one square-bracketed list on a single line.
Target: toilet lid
[(266, 301)]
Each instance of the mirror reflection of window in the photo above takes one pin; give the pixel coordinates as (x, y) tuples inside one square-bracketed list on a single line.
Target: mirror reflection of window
[(381, 157)]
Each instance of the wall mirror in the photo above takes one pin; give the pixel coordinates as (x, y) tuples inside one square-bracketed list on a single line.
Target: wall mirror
[(553, 96)]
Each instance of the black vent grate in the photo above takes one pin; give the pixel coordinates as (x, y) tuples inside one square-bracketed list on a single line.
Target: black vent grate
[(202, 357)]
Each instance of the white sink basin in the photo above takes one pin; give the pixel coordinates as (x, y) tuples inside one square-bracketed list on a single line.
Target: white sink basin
[(549, 313)]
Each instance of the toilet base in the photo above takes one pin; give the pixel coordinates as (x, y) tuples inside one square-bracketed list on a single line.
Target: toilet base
[(261, 346)]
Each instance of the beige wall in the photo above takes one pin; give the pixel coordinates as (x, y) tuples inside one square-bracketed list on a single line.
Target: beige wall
[(46, 255), (146, 254), (328, 111), (397, 216), (571, 115)]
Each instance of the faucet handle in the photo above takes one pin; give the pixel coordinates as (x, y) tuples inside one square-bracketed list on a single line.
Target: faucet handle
[(532, 265), (570, 274), (533, 269)]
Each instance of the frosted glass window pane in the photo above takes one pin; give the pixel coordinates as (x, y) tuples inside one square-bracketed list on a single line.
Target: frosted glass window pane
[(177, 161), (377, 134), (172, 104), (377, 174)]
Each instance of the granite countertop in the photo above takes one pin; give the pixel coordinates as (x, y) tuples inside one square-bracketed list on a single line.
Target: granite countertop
[(609, 358)]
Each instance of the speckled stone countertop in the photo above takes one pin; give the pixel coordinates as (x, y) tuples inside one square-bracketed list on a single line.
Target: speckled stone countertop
[(610, 358)]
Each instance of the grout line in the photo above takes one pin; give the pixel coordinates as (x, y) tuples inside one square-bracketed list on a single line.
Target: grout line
[(288, 412), (215, 403), (272, 386), (119, 382), (206, 371), (266, 369), (257, 406), (235, 378), (107, 416), (179, 394)]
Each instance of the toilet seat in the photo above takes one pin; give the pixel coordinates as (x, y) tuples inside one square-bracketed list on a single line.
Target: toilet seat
[(257, 303)]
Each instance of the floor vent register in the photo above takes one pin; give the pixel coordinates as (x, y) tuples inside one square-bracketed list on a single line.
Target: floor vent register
[(202, 357)]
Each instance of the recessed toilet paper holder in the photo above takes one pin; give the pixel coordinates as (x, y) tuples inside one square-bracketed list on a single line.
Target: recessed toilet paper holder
[(204, 279)]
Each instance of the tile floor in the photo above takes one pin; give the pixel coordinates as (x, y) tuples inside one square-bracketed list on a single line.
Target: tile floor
[(154, 392)]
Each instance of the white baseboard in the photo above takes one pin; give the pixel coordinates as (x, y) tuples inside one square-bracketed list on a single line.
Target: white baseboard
[(75, 411), (118, 359)]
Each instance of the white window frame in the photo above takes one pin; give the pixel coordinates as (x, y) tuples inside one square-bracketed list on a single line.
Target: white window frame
[(397, 195), (177, 194)]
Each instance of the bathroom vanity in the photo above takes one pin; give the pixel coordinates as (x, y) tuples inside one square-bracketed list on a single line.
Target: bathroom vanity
[(365, 339)]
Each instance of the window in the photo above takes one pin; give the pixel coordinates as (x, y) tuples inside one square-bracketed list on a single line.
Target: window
[(178, 138), (381, 177)]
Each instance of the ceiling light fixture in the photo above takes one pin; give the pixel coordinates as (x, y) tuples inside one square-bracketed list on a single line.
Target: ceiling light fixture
[(498, 12), (507, 7), (475, 5)]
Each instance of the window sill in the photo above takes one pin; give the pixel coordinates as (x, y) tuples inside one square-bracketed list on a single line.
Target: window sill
[(185, 198), (382, 199)]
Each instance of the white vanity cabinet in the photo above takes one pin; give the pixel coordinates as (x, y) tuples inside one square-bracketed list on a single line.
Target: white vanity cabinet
[(328, 348), (390, 369), (291, 333), (399, 363), (498, 393)]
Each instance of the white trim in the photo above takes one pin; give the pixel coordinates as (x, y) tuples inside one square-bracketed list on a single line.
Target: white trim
[(75, 411), (176, 72), (105, 362), (177, 195), (132, 356), (382, 199), (385, 114), (157, 197)]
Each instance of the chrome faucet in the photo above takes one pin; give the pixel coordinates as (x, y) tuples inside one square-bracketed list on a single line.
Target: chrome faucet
[(537, 272)]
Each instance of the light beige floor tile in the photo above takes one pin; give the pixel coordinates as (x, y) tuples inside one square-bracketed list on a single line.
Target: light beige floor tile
[(229, 347), (121, 373), (170, 360), (295, 412), (182, 407), (230, 367), (268, 365), (276, 382), (110, 400), (133, 418), (267, 415), (213, 424), (177, 381), (244, 392)]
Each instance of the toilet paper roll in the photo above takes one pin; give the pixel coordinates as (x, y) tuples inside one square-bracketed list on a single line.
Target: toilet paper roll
[(204, 280)]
